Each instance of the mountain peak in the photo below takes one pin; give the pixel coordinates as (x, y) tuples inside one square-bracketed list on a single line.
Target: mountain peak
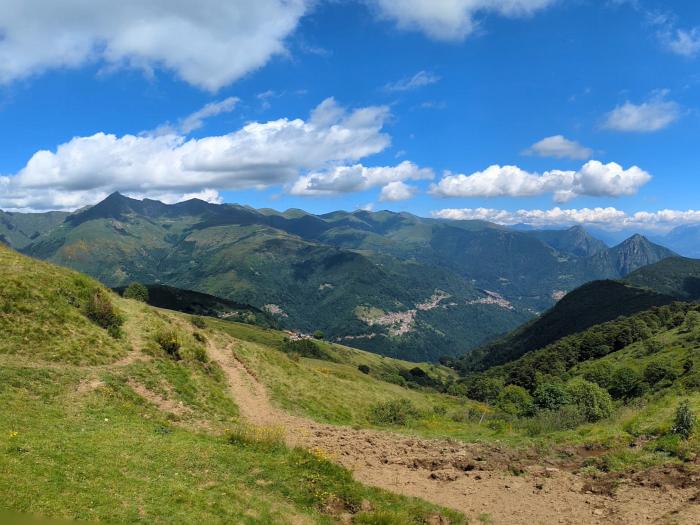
[(637, 251)]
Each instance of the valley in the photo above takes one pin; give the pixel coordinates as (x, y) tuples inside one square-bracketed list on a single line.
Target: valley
[(299, 430), (325, 272)]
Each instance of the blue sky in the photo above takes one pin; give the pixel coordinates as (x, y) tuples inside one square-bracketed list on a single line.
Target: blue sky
[(573, 111)]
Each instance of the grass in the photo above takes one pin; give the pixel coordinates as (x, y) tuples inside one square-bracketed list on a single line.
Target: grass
[(94, 428)]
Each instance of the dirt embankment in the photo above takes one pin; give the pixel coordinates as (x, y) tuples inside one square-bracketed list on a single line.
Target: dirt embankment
[(510, 487)]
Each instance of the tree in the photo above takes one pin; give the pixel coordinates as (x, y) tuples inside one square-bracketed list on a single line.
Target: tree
[(484, 389), (136, 291), (593, 402), (685, 421), (657, 371), (551, 396), (692, 321), (625, 383), (515, 400)]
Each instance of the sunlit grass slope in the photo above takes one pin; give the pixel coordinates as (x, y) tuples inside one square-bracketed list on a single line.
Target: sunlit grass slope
[(111, 428)]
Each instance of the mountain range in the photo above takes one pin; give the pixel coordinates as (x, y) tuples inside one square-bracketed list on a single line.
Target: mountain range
[(392, 283)]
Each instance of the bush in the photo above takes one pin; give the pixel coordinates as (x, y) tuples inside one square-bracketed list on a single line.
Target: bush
[(551, 396), (567, 417), (318, 334), (685, 421), (395, 412), (626, 383), (136, 291), (100, 310), (363, 368), (199, 337), (593, 402), (304, 347), (692, 321), (658, 371), (198, 322), (484, 389), (170, 343), (515, 400), (600, 374)]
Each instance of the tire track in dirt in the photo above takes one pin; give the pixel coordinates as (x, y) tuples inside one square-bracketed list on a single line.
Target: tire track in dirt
[(471, 478)]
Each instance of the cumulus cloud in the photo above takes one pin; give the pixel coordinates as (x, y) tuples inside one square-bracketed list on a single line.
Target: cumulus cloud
[(453, 19), (208, 43), (558, 146), (397, 191), (346, 179), (609, 218), (652, 115), (258, 155), (593, 179), (420, 79)]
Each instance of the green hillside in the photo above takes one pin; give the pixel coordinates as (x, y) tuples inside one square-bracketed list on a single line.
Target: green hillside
[(591, 304), (84, 381), (157, 401), (392, 283), (676, 276)]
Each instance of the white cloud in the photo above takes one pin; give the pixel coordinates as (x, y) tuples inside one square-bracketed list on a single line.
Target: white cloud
[(397, 191), (451, 19), (196, 120), (652, 115), (593, 179), (558, 146), (683, 42), (346, 179), (420, 79), (208, 43), (258, 155), (609, 218)]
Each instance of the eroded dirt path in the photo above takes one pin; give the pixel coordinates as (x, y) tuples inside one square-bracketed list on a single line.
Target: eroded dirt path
[(474, 479)]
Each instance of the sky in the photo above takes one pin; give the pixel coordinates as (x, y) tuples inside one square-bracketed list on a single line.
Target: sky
[(543, 112)]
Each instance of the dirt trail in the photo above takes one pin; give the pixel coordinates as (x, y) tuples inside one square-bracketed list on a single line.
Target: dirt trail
[(474, 479)]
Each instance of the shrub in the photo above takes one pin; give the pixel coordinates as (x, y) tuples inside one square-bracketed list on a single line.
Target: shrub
[(318, 334), (363, 368), (551, 396), (593, 402), (626, 383), (658, 371), (515, 400), (685, 421), (600, 374), (547, 421), (136, 291), (395, 412), (100, 310), (484, 389), (169, 341), (652, 346), (304, 347), (198, 322), (692, 321), (199, 337)]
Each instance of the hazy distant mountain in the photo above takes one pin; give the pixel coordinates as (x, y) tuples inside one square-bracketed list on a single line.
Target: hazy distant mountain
[(684, 240), (389, 282)]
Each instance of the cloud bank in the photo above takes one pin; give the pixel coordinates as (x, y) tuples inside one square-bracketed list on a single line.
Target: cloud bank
[(169, 166), (608, 218), (593, 179), (208, 43)]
